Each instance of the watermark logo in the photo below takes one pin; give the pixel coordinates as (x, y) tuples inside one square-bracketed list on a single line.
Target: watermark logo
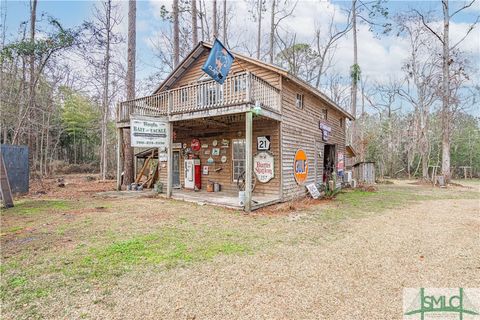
[(441, 303)]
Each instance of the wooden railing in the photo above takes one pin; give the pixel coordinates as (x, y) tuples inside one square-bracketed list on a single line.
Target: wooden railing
[(237, 89)]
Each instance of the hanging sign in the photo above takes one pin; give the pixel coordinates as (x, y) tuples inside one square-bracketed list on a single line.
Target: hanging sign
[(325, 131), (148, 132), (195, 145), (263, 166), (263, 143), (218, 63), (300, 166)]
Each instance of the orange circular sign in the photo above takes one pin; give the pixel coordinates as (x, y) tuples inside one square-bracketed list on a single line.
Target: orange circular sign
[(300, 166)]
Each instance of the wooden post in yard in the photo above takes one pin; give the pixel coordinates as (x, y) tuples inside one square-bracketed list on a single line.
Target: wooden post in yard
[(119, 158), (170, 161), (5, 191), (248, 160)]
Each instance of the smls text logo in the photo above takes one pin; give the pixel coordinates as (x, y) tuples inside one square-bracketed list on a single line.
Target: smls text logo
[(441, 303)]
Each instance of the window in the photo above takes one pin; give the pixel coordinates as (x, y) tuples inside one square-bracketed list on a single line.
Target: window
[(324, 114), (341, 122), (238, 157), (299, 102)]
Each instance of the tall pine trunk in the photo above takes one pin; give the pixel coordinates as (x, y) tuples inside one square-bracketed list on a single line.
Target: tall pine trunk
[(176, 34), (106, 79), (128, 171), (446, 94), (194, 23), (224, 21), (259, 28), (215, 25), (355, 65), (272, 32)]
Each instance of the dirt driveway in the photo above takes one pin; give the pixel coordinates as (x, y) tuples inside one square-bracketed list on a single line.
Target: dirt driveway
[(349, 259)]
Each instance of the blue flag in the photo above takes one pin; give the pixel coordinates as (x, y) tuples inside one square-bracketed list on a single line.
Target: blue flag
[(218, 63)]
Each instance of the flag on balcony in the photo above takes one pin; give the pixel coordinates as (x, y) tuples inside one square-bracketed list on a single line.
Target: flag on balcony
[(219, 62)]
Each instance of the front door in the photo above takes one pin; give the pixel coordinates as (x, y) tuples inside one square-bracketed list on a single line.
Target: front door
[(176, 169)]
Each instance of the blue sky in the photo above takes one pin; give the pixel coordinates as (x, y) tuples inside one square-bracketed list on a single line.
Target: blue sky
[(379, 57)]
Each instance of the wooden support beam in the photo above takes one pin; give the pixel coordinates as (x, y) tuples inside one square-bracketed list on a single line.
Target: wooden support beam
[(119, 158), (5, 191), (170, 160), (248, 160)]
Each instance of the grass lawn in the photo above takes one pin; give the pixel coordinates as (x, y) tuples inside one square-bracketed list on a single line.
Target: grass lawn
[(64, 258)]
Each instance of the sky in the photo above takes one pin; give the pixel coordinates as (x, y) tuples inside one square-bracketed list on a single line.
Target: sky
[(379, 57)]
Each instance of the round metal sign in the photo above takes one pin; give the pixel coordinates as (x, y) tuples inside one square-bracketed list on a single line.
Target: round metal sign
[(300, 166)]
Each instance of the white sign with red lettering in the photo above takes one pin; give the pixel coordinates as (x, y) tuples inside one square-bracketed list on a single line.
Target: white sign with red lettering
[(263, 166)]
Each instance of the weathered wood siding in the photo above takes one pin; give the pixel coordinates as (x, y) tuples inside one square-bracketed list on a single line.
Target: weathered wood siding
[(194, 72), (300, 130), (261, 127)]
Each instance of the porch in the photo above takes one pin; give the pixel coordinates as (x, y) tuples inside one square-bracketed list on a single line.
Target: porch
[(206, 98), (208, 113), (224, 199)]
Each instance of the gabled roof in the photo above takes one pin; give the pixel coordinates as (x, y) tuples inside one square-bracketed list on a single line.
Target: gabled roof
[(201, 47)]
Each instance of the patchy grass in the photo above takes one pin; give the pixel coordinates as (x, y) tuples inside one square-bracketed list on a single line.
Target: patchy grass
[(70, 248), (32, 207)]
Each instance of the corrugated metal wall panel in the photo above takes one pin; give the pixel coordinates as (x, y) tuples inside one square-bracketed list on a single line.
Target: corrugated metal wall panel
[(16, 163)]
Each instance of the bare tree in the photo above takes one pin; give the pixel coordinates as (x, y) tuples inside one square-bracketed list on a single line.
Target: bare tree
[(259, 27), (277, 15), (215, 24), (128, 168), (446, 61), (422, 83), (194, 23), (224, 21), (176, 34)]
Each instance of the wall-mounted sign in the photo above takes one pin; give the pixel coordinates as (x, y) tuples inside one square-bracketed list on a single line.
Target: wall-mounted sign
[(204, 145), (214, 143), (263, 143), (177, 145), (325, 131), (163, 156), (148, 132), (205, 170), (210, 160), (195, 145), (340, 162), (223, 159), (313, 190), (225, 143), (215, 151), (263, 166), (300, 166)]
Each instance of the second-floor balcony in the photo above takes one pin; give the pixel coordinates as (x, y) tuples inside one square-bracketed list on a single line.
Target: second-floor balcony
[(239, 92)]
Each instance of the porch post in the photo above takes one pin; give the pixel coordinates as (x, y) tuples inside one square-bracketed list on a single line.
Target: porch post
[(119, 158), (170, 161), (248, 160)]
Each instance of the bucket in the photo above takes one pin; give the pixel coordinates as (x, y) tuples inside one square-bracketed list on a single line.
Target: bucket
[(241, 198), (210, 186), (216, 187)]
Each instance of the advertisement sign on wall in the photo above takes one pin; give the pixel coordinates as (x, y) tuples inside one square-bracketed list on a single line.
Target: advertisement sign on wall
[(263, 166), (300, 166), (148, 132)]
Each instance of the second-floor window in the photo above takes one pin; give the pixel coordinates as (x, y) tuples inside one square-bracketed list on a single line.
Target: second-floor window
[(324, 114), (299, 101)]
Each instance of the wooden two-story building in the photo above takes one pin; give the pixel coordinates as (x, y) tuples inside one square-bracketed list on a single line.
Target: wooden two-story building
[(263, 129)]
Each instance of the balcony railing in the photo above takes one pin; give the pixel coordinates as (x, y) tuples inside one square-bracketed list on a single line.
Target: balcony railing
[(237, 89)]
